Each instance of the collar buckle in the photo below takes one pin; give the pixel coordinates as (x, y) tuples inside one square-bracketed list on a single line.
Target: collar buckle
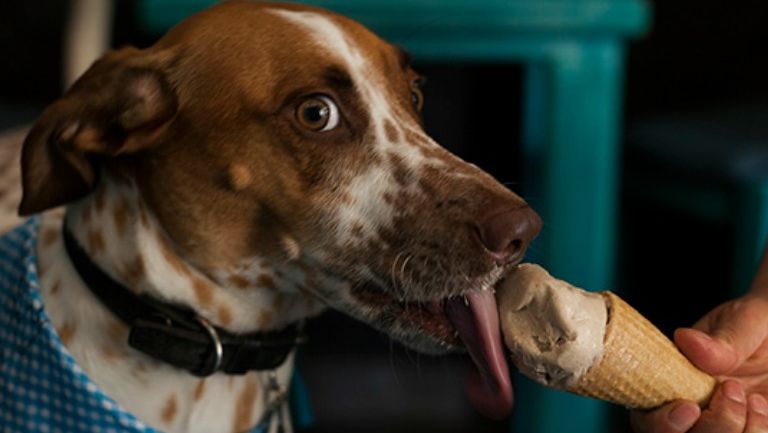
[(218, 348), (175, 334)]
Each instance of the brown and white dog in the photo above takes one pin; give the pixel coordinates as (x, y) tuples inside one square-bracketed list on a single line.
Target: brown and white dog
[(258, 164)]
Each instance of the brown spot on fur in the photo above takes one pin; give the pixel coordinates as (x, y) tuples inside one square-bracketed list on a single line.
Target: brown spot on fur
[(239, 281), (225, 315), (199, 390), (428, 189), (66, 332), (344, 198), (169, 410), (50, 235), (265, 318), (134, 271), (117, 331), (171, 257), (266, 281), (110, 353), (121, 216), (393, 134), (357, 230), (416, 138), (400, 171), (141, 367), (95, 242), (388, 198), (244, 406), (203, 291), (239, 177), (143, 215)]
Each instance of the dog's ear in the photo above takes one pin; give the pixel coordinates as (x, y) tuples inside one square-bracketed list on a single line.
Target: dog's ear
[(117, 107)]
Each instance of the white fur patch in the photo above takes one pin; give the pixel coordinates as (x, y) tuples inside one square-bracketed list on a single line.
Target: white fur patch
[(367, 209)]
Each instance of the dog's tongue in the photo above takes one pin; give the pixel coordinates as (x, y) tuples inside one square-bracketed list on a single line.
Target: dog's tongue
[(477, 322)]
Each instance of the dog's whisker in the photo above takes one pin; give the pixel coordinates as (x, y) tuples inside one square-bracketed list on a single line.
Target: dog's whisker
[(407, 279), (405, 263), (393, 276), (392, 363)]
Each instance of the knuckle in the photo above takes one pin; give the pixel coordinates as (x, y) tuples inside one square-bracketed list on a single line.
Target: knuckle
[(757, 418), (724, 421)]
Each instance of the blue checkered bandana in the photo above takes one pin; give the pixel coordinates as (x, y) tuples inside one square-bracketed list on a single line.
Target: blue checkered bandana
[(42, 389)]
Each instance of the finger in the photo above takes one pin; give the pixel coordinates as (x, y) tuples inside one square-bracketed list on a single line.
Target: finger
[(757, 414), (727, 411), (736, 331), (745, 328), (706, 353), (676, 417)]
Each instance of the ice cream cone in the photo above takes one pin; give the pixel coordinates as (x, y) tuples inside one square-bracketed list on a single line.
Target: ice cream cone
[(640, 368)]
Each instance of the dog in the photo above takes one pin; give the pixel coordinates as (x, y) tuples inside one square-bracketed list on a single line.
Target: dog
[(193, 202)]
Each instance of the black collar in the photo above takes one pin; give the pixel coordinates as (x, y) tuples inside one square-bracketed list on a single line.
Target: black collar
[(177, 335)]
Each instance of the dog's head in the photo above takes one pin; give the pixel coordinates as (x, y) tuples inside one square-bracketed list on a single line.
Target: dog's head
[(287, 132)]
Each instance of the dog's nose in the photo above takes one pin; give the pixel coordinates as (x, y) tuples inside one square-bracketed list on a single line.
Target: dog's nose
[(507, 233)]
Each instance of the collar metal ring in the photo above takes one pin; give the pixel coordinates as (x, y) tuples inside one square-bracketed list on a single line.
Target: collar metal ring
[(218, 348)]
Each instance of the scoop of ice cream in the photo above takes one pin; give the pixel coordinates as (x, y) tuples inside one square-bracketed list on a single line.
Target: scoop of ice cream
[(554, 331)]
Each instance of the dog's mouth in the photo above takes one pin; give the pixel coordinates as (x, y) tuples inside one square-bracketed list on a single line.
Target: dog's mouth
[(468, 320)]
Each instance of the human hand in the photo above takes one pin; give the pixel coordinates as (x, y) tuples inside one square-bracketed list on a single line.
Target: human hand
[(730, 343)]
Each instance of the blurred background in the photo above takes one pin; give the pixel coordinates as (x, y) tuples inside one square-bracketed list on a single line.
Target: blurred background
[(639, 129)]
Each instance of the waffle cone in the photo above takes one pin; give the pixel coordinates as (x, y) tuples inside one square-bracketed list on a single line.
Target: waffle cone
[(640, 368)]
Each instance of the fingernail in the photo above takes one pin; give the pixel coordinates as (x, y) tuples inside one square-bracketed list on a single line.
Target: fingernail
[(757, 403), (682, 417), (734, 391)]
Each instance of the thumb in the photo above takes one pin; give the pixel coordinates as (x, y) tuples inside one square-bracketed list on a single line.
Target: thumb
[(710, 355), (737, 332)]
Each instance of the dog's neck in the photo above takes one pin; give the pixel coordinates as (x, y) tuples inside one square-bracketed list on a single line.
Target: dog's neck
[(123, 238)]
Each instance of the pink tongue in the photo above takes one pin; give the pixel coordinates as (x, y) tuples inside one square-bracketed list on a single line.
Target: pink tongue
[(488, 386)]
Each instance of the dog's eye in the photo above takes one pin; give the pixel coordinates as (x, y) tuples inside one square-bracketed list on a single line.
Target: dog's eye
[(318, 113), (417, 97)]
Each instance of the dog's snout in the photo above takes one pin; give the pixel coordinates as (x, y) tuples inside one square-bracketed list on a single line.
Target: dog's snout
[(506, 234)]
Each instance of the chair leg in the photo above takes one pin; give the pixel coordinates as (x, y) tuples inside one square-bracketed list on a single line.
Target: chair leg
[(301, 406), (572, 111), (750, 232)]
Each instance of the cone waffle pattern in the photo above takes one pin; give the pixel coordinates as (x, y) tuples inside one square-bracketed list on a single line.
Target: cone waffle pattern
[(640, 368)]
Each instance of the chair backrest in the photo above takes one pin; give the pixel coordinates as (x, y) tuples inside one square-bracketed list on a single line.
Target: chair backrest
[(472, 29)]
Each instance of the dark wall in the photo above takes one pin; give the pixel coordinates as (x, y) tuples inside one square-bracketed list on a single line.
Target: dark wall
[(699, 52), (30, 48)]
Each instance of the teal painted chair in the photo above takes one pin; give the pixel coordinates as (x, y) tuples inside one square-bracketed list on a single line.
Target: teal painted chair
[(573, 55)]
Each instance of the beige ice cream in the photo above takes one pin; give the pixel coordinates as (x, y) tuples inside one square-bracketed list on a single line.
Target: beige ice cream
[(556, 330), (592, 344)]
